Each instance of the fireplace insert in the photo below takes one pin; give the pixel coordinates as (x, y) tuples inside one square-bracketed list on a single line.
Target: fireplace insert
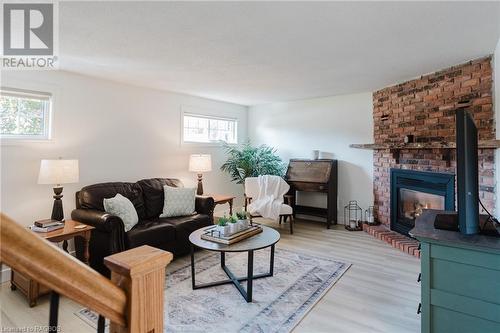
[(413, 191)]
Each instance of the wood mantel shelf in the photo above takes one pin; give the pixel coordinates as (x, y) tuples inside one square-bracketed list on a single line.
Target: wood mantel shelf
[(482, 144), (395, 148)]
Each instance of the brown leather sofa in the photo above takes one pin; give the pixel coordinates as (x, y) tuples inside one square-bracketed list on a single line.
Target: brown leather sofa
[(108, 237)]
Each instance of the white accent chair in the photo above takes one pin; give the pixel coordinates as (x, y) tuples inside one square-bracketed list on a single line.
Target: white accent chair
[(252, 191)]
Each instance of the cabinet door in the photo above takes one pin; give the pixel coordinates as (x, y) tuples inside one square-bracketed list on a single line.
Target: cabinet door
[(425, 289)]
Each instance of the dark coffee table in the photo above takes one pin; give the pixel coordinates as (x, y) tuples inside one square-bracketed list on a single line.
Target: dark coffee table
[(267, 238)]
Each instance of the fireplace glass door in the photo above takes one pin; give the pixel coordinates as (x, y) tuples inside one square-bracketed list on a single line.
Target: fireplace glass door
[(412, 191), (411, 203)]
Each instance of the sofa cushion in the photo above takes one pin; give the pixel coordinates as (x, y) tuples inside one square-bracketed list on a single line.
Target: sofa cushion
[(123, 208), (158, 233), (152, 190), (178, 201), (185, 225), (92, 196)]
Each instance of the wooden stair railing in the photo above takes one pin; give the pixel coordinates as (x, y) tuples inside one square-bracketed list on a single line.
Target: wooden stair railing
[(132, 300)]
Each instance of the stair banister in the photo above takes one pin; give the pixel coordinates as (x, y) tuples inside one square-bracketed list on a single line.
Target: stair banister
[(122, 300)]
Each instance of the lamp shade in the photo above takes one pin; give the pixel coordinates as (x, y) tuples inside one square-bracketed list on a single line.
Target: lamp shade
[(200, 163), (58, 172)]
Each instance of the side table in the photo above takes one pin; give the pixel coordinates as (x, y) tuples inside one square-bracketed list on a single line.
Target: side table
[(31, 288), (223, 199)]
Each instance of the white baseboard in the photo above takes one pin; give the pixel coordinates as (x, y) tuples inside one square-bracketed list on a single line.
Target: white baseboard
[(5, 274)]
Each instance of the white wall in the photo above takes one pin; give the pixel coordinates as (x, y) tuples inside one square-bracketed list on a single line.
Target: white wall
[(117, 132), (329, 124)]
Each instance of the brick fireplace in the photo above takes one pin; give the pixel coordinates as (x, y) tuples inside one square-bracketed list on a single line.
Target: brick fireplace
[(425, 108)]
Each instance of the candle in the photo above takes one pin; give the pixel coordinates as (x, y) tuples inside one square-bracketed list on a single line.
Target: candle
[(352, 224)]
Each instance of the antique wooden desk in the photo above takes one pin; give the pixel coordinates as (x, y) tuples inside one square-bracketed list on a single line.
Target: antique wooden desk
[(314, 176)]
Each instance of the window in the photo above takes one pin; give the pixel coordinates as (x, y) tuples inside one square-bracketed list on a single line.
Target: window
[(206, 129), (24, 115)]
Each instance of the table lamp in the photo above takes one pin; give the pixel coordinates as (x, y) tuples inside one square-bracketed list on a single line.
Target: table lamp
[(200, 163), (57, 172)]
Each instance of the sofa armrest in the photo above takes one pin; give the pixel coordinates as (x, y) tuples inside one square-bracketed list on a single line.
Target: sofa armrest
[(100, 220), (205, 205), (107, 238)]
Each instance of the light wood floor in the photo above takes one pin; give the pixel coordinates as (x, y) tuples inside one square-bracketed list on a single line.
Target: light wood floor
[(379, 293)]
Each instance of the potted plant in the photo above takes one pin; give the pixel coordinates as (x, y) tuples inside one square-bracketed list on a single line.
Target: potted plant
[(242, 218), (251, 161), (233, 225), (222, 226)]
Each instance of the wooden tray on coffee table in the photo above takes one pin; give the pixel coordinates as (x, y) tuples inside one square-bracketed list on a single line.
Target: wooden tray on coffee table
[(213, 235)]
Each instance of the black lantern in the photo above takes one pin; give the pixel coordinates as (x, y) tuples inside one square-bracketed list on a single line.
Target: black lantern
[(352, 216)]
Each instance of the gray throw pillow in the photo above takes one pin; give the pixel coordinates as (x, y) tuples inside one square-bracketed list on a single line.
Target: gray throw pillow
[(123, 208), (179, 201)]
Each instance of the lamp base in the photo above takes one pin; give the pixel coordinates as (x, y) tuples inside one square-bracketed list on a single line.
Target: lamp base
[(57, 208), (199, 191)]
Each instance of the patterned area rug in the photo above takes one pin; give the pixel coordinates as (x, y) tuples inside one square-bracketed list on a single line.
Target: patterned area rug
[(279, 302)]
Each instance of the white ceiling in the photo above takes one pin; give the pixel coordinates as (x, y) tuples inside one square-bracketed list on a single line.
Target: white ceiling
[(261, 52)]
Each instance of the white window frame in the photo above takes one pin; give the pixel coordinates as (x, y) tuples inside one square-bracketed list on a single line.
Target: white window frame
[(47, 115), (200, 113)]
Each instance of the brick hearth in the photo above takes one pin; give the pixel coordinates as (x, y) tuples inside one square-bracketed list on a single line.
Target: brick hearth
[(425, 107), (394, 239)]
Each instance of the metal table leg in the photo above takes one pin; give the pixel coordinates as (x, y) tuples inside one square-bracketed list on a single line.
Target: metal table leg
[(192, 268), (236, 281), (271, 264), (249, 277)]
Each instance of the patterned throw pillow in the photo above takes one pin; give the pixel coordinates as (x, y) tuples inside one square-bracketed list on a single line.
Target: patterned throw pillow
[(179, 201), (123, 208)]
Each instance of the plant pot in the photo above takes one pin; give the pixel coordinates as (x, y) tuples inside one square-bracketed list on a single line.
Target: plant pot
[(223, 230), (243, 224), (233, 228)]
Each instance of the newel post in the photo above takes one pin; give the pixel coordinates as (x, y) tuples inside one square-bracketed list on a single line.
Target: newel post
[(140, 272)]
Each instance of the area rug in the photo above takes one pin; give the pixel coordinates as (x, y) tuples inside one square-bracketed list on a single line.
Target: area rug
[(279, 302)]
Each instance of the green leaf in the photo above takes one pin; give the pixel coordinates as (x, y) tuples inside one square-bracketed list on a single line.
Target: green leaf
[(251, 161)]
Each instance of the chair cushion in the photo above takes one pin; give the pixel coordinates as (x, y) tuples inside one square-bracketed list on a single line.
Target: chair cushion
[(155, 233), (286, 209), (154, 195), (92, 196)]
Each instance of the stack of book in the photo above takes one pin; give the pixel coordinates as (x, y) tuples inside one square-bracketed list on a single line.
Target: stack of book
[(47, 225)]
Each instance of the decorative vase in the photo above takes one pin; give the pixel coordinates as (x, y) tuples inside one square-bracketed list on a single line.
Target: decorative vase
[(243, 224), (233, 228), (223, 230), (315, 154)]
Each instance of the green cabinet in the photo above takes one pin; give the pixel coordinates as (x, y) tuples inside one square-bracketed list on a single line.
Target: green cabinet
[(460, 284)]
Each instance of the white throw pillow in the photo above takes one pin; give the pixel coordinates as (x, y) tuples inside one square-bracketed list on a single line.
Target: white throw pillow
[(179, 201), (123, 208)]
